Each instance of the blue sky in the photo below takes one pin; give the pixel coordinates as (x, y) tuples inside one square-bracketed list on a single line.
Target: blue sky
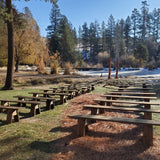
[(80, 11)]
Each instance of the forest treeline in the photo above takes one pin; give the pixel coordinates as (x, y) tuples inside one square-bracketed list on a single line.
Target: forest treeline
[(134, 41)]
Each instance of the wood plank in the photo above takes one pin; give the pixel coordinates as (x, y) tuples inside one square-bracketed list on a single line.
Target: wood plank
[(66, 94), (10, 107), (20, 101), (123, 108), (116, 119), (129, 102), (30, 97), (131, 93), (135, 88), (129, 97)]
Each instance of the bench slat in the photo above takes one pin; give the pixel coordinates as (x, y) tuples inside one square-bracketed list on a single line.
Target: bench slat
[(131, 93), (117, 119), (129, 97), (123, 101), (123, 108)]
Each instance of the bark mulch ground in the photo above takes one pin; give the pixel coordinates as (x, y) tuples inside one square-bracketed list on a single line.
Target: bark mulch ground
[(104, 140)]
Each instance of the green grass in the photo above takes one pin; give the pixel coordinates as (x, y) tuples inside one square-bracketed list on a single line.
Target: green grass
[(31, 137)]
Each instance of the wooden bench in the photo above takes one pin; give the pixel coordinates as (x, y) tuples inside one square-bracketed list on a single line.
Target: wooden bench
[(131, 93), (46, 94), (12, 113), (72, 92), (147, 105), (97, 109), (84, 121), (135, 89), (114, 97), (50, 102), (35, 105), (109, 102)]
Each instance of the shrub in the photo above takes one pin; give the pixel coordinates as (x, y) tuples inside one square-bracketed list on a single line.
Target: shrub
[(67, 68), (55, 63), (103, 58), (3, 62)]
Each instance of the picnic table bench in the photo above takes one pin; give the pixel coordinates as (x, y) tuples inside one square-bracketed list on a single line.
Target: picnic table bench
[(46, 94), (12, 113), (84, 121), (50, 102), (35, 105)]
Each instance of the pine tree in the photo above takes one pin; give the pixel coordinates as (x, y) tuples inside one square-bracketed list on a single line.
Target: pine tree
[(67, 39), (127, 33), (85, 41), (103, 37), (135, 17), (144, 21), (110, 35), (54, 29)]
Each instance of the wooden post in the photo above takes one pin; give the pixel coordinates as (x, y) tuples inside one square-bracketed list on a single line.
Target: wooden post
[(82, 127), (148, 135), (109, 72), (117, 68)]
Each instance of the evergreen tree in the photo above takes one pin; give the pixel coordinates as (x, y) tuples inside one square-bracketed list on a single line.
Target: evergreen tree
[(85, 41), (127, 33), (94, 38), (144, 21), (135, 26), (79, 39), (67, 41), (103, 37), (110, 35), (53, 29), (141, 53)]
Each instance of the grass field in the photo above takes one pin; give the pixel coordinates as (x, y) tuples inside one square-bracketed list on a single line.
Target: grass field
[(34, 138)]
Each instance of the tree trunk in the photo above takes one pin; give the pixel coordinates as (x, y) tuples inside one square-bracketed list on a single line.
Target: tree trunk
[(117, 68), (109, 72), (10, 65), (16, 65)]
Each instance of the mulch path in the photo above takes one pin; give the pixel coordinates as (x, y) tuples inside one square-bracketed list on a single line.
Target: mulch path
[(104, 140)]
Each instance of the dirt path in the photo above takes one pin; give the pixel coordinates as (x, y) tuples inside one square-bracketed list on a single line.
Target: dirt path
[(104, 141)]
